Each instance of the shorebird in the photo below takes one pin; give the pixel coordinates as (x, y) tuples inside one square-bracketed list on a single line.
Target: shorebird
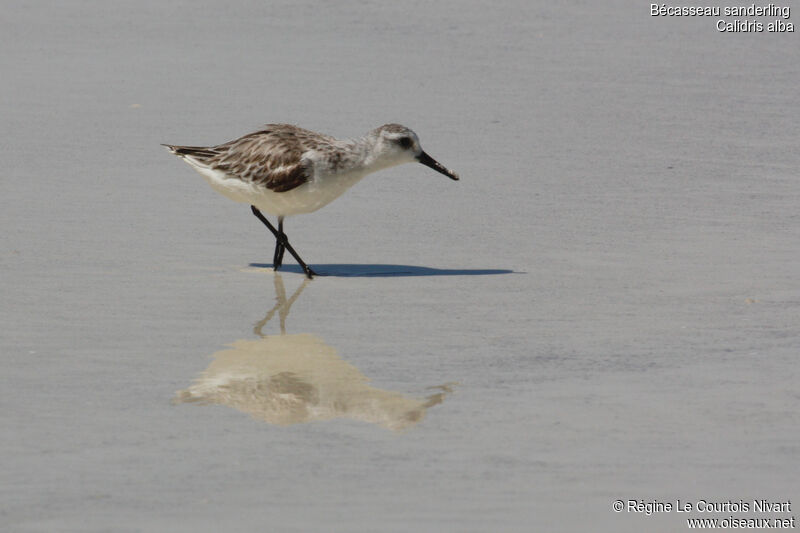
[(285, 170)]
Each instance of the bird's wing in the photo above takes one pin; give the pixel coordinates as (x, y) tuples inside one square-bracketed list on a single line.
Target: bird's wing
[(272, 158)]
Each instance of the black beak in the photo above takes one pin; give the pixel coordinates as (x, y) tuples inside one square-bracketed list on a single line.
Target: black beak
[(428, 161)]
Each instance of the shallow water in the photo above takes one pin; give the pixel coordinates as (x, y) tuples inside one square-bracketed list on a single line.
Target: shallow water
[(288, 379), (605, 307)]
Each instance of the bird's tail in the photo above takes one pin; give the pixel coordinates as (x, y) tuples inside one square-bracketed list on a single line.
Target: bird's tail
[(200, 153)]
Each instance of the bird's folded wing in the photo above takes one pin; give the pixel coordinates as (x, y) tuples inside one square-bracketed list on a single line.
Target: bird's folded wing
[(263, 158)]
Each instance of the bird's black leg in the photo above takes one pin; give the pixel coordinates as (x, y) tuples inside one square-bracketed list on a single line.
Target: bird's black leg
[(283, 241), (280, 246)]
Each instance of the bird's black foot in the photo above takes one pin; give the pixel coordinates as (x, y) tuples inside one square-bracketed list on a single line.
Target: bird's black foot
[(282, 244), (309, 273)]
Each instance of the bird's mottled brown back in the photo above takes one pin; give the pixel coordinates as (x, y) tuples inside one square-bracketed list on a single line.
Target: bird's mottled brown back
[(271, 157)]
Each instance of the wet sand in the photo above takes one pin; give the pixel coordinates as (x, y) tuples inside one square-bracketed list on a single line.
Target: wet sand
[(605, 307)]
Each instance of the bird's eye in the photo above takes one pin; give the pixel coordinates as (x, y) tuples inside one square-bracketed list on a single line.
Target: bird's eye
[(405, 142)]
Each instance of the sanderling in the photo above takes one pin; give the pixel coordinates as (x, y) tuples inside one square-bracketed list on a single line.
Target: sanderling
[(286, 170)]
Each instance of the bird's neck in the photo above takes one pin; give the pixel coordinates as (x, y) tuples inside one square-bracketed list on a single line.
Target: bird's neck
[(369, 157)]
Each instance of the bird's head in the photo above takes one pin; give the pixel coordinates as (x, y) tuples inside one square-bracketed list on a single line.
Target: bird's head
[(396, 144)]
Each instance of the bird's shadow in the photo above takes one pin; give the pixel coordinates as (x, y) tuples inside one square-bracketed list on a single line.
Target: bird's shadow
[(386, 271)]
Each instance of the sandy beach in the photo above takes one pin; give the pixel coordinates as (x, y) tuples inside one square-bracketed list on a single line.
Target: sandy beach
[(605, 307)]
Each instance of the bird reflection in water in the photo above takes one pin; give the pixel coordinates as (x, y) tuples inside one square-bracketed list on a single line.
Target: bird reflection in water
[(288, 379)]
